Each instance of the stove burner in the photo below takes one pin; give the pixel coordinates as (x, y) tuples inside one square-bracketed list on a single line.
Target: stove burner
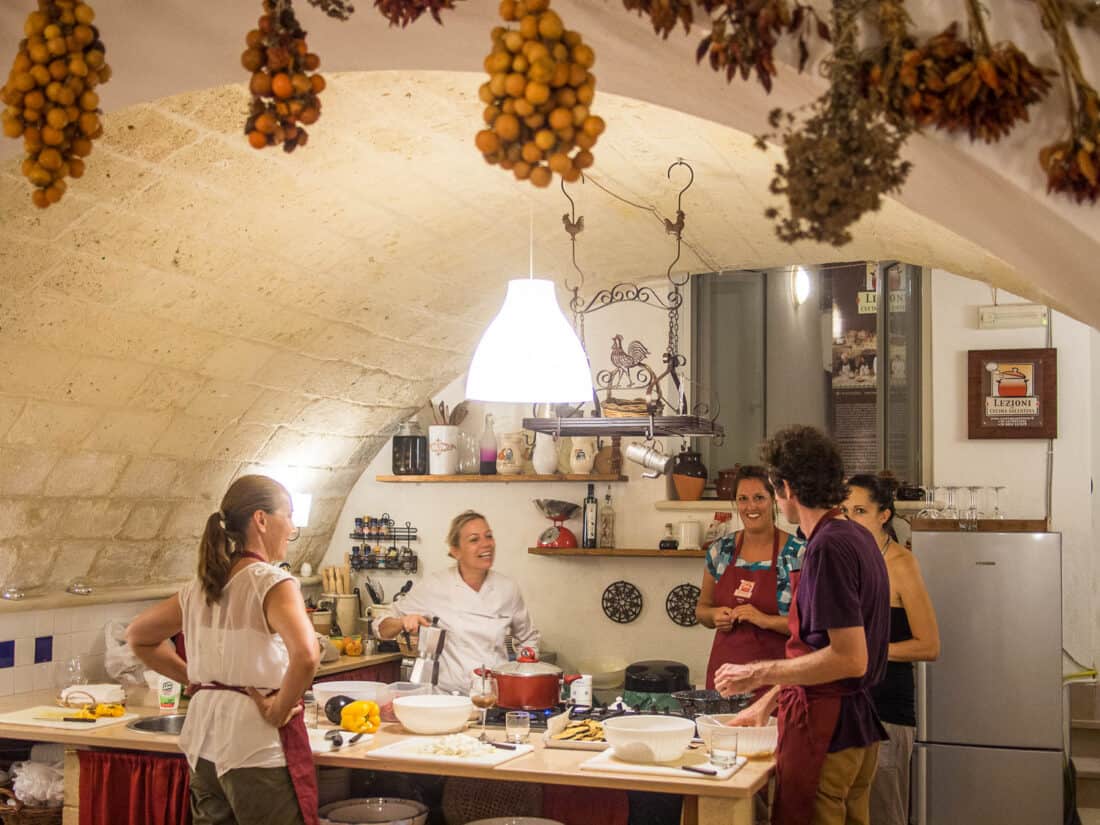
[(494, 718)]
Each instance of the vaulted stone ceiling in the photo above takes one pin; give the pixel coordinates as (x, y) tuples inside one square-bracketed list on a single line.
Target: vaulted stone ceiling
[(194, 309)]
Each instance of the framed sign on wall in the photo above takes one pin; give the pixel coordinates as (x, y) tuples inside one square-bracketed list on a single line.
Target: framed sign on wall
[(1012, 393)]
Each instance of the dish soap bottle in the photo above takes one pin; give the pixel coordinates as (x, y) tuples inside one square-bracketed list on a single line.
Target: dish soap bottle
[(488, 448), (607, 522), (588, 537), (668, 541)]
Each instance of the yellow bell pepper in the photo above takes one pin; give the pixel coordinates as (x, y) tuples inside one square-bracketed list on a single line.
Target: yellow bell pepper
[(109, 710), (360, 717)]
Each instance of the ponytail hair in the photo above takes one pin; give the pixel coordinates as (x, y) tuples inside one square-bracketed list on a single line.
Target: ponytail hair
[(223, 539), (880, 489)]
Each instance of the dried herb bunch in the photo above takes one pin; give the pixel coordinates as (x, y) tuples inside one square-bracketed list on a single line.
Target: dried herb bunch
[(1072, 165), (285, 97), (403, 12), (844, 157), (953, 84), (340, 9), (744, 33)]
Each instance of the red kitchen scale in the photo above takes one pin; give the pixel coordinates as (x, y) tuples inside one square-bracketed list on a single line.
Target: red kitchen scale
[(558, 512)]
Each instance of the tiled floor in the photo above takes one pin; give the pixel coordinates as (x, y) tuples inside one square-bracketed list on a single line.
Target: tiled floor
[(1089, 816)]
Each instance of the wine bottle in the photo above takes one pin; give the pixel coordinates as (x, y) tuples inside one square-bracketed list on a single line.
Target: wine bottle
[(590, 533)]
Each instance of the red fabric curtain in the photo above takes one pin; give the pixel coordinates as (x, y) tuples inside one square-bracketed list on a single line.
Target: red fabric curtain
[(118, 788), (583, 806)]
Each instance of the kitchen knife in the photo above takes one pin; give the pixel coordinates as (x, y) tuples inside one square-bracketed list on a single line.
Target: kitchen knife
[(504, 746), (704, 771)]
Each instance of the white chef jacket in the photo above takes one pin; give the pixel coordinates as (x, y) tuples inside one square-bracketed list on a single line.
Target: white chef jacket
[(476, 621)]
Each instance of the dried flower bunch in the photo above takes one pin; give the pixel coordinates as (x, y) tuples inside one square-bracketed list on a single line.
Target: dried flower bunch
[(50, 97), (844, 157), (538, 96), (285, 97), (953, 84), (339, 9), (1072, 165), (403, 12), (744, 33)]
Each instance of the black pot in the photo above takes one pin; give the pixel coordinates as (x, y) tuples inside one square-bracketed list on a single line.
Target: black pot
[(657, 677)]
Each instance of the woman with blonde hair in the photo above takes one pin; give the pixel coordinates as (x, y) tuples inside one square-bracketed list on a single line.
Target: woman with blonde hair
[(477, 606), (251, 654)]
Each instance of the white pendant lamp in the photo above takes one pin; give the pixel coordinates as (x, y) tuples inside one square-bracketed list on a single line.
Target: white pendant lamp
[(529, 353)]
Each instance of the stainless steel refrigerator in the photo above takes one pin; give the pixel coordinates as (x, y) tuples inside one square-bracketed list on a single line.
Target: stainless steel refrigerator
[(989, 710)]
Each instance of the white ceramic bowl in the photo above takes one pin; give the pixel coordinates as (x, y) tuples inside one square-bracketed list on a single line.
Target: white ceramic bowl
[(648, 738), (752, 743), (370, 691), (433, 714)]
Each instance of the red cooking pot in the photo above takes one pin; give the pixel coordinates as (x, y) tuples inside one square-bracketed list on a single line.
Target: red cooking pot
[(528, 684)]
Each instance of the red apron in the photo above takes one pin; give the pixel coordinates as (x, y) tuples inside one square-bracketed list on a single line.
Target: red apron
[(745, 642), (807, 721), (294, 738)]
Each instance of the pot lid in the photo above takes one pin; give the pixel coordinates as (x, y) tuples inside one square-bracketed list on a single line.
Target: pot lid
[(527, 664)]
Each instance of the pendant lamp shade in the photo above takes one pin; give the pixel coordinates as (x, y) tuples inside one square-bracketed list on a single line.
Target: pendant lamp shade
[(529, 353)]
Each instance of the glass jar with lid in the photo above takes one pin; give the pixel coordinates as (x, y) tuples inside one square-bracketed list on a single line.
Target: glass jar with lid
[(410, 450)]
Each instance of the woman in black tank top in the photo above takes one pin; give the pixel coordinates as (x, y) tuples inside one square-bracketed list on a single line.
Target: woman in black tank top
[(914, 637)]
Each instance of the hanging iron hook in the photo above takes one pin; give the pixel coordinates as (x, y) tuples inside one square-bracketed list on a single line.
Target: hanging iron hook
[(573, 226), (687, 186), (677, 228)]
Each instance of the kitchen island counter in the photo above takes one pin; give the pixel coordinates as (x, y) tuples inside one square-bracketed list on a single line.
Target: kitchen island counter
[(707, 801)]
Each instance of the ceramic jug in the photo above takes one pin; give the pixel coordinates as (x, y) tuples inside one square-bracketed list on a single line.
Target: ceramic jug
[(689, 476), (545, 458), (510, 454), (583, 455)]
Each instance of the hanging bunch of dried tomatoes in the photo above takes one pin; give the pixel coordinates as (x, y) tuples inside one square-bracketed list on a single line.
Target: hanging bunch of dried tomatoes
[(50, 97), (1073, 164), (538, 96), (285, 96)]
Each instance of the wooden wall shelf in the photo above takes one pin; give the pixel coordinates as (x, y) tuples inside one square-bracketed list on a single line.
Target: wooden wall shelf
[(703, 505), (621, 552), (591, 478)]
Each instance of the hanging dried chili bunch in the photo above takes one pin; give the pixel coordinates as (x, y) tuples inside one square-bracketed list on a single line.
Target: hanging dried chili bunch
[(1072, 165), (744, 33), (950, 83), (844, 157), (285, 97), (339, 9), (403, 12)]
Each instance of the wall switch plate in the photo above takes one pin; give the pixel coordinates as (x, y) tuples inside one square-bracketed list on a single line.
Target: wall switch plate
[(1013, 316)]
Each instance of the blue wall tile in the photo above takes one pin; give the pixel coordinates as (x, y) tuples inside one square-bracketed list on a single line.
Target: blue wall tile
[(7, 653), (43, 649)]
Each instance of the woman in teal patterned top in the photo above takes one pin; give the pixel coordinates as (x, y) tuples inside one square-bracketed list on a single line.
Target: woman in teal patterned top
[(746, 590)]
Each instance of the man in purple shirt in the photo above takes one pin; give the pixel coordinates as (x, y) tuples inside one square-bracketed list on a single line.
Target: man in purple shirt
[(840, 627)]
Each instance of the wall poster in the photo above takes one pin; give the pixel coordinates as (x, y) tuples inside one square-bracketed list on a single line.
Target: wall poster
[(853, 377), (1012, 393)]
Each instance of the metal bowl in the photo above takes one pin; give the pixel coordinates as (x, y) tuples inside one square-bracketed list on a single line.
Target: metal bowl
[(710, 702), (557, 510)]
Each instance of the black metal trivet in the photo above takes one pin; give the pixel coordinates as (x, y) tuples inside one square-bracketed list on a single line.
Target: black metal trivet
[(622, 602), (680, 604)]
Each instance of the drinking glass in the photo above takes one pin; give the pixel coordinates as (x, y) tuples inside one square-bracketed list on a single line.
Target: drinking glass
[(71, 672), (517, 726), (950, 510), (723, 747), (929, 510), (997, 511), (972, 511), (483, 693)]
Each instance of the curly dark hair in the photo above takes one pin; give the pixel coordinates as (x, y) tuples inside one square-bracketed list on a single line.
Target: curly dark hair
[(809, 461)]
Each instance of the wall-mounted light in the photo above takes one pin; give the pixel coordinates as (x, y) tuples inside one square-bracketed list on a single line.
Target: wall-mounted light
[(800, 286), (302, 503), (529, 353)]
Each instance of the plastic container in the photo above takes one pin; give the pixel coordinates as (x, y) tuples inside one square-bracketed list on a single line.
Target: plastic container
[(752, 743), (371, 691), (399, 689)]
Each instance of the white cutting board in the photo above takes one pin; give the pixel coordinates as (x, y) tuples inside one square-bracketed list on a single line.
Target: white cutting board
[(26, 717), (410, 749), (319, 744), (607, 761)]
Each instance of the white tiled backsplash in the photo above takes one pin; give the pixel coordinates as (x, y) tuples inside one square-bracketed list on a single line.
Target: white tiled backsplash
[(34, 646)]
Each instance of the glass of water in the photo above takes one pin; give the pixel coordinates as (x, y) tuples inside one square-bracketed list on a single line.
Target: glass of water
[(517, 726), (723, 747)]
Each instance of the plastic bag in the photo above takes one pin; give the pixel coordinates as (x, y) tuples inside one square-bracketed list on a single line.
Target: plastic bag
[(38, 784), (120, 662)]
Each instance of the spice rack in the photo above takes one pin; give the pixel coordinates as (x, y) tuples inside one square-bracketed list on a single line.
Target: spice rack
[(391, 545)]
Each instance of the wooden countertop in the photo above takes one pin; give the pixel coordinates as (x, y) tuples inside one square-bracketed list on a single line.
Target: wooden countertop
[(346, 663), (545, 765)]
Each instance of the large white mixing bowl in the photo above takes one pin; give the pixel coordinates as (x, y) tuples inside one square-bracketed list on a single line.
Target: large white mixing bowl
[(648, 738), (433, 714)]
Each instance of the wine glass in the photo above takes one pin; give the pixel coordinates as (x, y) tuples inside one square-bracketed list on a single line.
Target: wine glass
[(950, 510), (484, 693), (997, 511), (973, 511), (929, 510)]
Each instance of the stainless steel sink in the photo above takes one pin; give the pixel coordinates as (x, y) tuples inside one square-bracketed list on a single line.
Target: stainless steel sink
[(171, 724)]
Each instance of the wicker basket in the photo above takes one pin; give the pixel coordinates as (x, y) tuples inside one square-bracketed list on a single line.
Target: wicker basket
[(624, 408), (467, 800), (22, 815)]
